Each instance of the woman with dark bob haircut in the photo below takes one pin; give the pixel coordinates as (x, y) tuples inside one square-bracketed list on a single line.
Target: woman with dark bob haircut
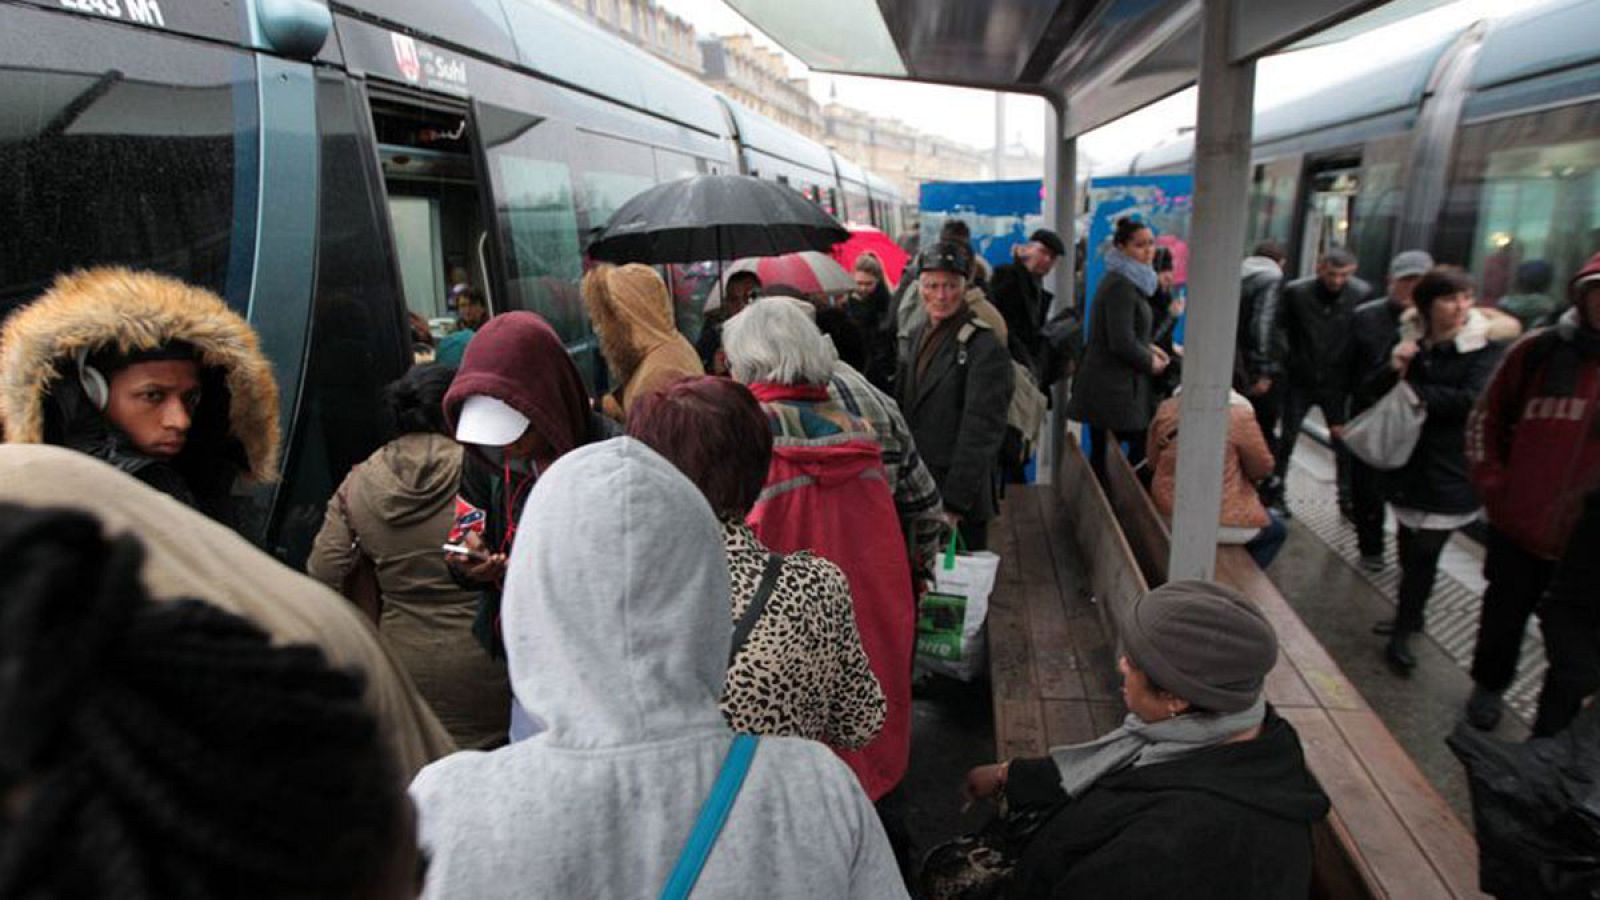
[(394, 509), (801, 670)]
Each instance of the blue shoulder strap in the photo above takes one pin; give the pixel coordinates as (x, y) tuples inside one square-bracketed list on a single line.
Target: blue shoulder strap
[(712, 816)]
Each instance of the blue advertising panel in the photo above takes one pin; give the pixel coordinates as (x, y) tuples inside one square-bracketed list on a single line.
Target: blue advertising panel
[(1001, 214), (1162, 202)]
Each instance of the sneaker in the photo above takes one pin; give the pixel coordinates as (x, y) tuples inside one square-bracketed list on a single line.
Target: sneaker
[(1372, 563), (1483, 709)]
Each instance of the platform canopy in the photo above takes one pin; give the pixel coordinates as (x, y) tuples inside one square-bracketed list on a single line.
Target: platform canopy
[(1101, 60)]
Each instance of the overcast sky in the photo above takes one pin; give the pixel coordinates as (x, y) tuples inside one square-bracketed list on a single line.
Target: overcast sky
[(968, 115)]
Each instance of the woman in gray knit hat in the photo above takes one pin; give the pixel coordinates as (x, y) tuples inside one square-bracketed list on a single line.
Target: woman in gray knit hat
[(1202, 792)]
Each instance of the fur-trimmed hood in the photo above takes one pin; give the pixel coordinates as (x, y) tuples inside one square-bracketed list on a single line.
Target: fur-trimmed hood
[(110, 307)]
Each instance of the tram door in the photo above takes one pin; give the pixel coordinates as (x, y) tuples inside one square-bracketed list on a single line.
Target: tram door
[(435, 204), (1330, 208)]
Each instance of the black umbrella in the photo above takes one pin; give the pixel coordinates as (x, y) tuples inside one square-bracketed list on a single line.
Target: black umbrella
[(715, 217)]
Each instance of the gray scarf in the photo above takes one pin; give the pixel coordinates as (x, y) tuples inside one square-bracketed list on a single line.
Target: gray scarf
[(1140, 743), (1143, 276)]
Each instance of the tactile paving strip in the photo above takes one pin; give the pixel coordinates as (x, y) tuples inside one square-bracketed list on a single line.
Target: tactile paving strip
[(1452, 608)]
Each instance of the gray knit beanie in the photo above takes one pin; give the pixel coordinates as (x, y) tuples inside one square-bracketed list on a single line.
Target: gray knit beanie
[(1202, 642)]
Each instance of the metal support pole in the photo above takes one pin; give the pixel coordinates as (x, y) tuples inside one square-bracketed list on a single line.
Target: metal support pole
[(1222, 178), (999, 157), (1060, 214)]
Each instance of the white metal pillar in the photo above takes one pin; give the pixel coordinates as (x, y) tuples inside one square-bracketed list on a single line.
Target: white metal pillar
[(1060, 215), (1216, 247)]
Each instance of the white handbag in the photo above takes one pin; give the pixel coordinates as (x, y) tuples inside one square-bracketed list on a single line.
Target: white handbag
[(1384, 435)]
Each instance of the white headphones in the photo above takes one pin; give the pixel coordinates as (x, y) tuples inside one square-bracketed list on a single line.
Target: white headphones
[(94, 384)]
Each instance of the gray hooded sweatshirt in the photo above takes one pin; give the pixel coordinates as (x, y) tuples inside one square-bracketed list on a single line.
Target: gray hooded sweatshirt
[(617, 632)]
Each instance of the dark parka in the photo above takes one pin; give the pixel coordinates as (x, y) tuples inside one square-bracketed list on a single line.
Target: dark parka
[(1112, 387), (1258, 342), (234, 430), (1020, 299), (1448, 378), (1232, 822), (1316, 332), (1374, 331), (957, 413)]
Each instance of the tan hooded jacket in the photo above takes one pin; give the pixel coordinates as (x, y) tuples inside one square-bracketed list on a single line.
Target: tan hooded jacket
[(105, 308), (631, 312), (189, 555)]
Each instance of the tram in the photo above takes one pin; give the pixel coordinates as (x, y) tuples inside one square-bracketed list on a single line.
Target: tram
[(328, 168), (1481, 145)]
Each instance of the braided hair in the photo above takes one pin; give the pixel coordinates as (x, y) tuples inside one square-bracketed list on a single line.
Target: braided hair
[(169, 750)]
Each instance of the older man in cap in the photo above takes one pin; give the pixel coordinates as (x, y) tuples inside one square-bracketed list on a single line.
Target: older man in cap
[(1018, 291), (1374, 331), (954, 385)]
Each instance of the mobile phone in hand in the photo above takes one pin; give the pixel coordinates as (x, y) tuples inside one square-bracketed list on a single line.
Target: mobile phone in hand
[(466, 551)]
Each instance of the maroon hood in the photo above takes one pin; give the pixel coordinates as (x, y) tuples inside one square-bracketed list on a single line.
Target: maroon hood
[(518, 359)]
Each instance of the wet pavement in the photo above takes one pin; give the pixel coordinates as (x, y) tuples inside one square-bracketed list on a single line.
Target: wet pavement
[(1339, 603)]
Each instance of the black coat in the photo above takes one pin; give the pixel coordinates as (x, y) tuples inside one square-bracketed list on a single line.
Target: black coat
[(1316, 332), (1020, 299), (1112, 387), (1449, 381), (1232, 822), (1374, 330), (957, 413), (1258, 342)]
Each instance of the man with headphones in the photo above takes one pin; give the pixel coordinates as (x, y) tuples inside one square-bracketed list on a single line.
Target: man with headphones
[(154, 376)]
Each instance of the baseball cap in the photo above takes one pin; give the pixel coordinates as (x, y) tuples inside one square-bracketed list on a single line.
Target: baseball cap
[(1050, 240), (489, 422), (1410, 262), (947, 256)]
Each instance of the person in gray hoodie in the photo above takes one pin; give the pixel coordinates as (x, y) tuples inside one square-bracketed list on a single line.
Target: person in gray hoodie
[(617, 634)]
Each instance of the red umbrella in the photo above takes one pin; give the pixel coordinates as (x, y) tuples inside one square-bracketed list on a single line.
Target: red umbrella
[(865, 238), (809, 271)]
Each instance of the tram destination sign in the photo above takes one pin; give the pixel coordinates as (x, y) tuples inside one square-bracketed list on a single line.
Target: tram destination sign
[(403, 58), (218, 19)]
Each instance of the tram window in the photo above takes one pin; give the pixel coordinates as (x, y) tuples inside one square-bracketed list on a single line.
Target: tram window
[(614, 172), (1378, 206), (537, 220), (1272, 196), (358, 341), (121, 150), (671, 165), (1525, 188)]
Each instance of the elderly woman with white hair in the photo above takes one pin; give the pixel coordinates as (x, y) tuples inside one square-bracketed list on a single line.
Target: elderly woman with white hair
[(827, 492)]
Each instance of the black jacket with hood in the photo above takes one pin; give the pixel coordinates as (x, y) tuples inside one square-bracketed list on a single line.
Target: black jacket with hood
[(42, 401), (1259, 344), (1232, 822)]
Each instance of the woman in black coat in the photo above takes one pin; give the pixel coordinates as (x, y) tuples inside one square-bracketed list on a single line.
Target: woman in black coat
[(1112, 390), (1445, 358), (1202, 793)]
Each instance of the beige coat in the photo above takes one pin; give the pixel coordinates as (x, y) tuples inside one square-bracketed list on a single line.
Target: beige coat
[(631, 312), (1246, 460), (402, 502), (189, 555)]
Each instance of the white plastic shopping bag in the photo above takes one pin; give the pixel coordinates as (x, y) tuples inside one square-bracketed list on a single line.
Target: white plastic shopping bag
[(950, 615)]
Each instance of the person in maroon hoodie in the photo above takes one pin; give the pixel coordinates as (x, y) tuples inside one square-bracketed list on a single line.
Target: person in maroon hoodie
[(518, 404), (1533, 442)]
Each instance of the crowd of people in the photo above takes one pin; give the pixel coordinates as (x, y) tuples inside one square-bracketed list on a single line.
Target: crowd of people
[(563, 616), (1509, 434)]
